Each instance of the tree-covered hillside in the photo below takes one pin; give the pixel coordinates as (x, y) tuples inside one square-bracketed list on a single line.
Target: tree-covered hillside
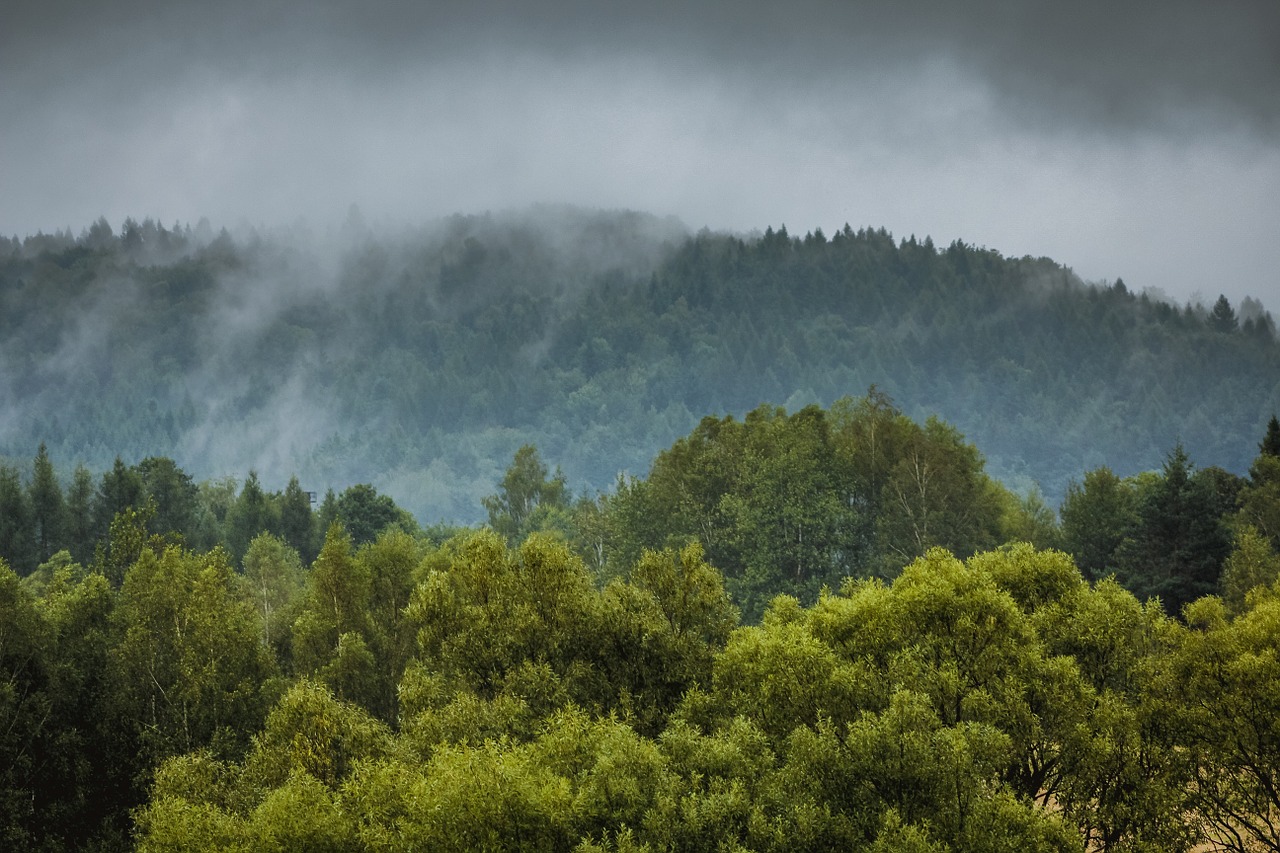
[(419, 361)]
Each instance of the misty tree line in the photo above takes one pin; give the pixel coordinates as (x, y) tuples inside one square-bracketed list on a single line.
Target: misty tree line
[(600, 338), (40, 516), (780, 502), (557, 681)]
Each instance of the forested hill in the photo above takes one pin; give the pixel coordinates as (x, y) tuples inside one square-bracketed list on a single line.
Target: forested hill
[(419, 361)]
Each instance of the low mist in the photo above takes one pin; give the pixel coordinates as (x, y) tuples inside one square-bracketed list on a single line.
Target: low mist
[(1126, 141)]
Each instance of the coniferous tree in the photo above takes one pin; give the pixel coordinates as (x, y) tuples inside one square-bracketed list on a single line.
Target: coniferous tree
[(326, 515), (297, 523), (1270, 445), (1260, 497), (48, 508), (17, 544), (119, 489), (175, 495), (250, 515), (80, 529), (1223, 316), (1096, 516), (1179, 542)]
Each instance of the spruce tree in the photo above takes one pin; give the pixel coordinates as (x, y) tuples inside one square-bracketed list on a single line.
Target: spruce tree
[(1271, 442), (1223, 316), (48, 510), (1179, 542), (297, 523), (17, 544), (80, 531), (120, 489)]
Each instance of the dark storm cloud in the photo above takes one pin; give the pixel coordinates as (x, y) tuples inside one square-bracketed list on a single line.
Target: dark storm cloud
[(1120, 65)]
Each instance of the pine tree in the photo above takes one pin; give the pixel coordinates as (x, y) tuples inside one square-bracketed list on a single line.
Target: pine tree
[(120, 489), (1223, 316), (1271, 442), (48, 509), (250, 515), (297, 524), (17, 545), (1179, 542), (80, 532), (175, 495)]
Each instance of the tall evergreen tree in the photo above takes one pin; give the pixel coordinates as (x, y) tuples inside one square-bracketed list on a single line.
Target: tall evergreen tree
[(119, 489), (297, 522), (174, 493), (1271, 441), (48, 509), (17, 544), (250, 515), (1096, 516), (1223, 316), (1260, 496), (80, 530), (1179, 542), (326, 515)]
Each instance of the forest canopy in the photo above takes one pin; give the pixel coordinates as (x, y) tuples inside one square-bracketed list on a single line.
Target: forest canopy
[(772, 642), (417, 542)]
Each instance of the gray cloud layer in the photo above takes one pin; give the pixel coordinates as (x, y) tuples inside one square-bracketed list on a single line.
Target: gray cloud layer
[(1128, 139)]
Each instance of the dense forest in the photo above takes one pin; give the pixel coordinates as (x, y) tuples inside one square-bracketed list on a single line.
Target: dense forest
[(418, 361), (829, 629), (428, 541)]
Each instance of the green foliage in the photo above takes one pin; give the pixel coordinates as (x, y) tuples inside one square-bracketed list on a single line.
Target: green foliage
[(126, 542), (1096, 516), (1260, 496), (460, 691), (17, 542), (336, 607), (391, 562), (529, 498), (119, 490), (794, 503), (79, 530), (1027, 518), (1177, 545), (937, 495), (311, 732), (1270, 445), (190, 662), (1250, 571), (86, 770), (48, 509), (24, 708), (273, 583), (994, 704), (249, 516), (365, 513), (174, 494), (1223, 317), (284, 796), (297, 523), (1227, 679)]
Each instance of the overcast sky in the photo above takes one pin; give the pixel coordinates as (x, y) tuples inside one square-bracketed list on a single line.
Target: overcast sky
[(1130, 139)]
